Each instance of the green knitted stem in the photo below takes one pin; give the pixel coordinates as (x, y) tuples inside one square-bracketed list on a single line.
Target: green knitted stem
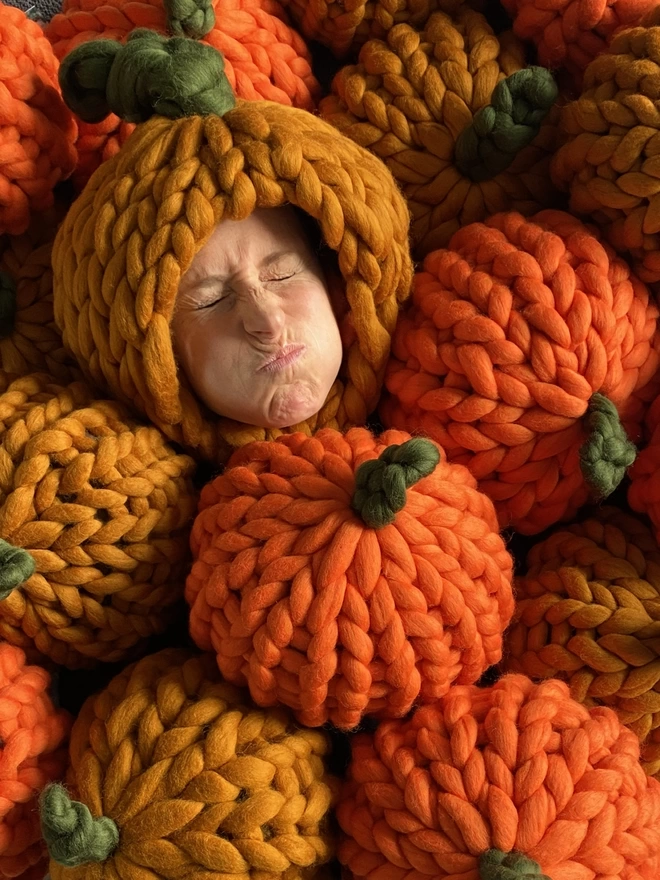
[(16, 566), (511, 121), (380, 484), (72, 835), (190, 18), (497, 865), (147, 76), (607, 452), (7, 305)]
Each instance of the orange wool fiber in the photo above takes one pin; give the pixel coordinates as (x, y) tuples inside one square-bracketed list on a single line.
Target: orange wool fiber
[(509, 334), (569, 34), (516, 772), (304, 602), (37, 130), (32, 754), (265, 59)]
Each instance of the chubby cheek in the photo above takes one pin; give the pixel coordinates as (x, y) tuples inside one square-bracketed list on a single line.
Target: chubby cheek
[(205, 350)]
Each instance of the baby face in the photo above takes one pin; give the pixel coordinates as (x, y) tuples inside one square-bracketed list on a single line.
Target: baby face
[(253, 326)]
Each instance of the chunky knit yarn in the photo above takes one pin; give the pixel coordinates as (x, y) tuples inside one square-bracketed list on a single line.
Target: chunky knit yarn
[(609, 160), (29, 340), (37, 131), (523, 343), (588, 611), (32, 754), (102, 506), (446, 111), (127, 240), (173, 776), (348, 575), (571, 33), (513, 782), (264, 58)]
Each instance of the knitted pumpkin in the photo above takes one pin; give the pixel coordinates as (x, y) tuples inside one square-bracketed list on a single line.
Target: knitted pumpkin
[(588, 610), (609, 160), (37, 131), (264, 57), (32, 754), (502, 783), (571, 33), (99, 508), (176, 777), (326, 586), (523, 343), (29, 339), (345, 26), (127, 240), (459, 122)]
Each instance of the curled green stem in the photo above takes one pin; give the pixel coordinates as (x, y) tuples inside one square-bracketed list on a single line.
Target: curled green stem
[(607, 452), (72, 835)]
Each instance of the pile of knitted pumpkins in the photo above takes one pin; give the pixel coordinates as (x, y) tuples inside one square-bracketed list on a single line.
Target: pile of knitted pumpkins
[(416, 637)]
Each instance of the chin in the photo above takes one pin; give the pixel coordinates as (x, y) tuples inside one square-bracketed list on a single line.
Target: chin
[(292, 405)]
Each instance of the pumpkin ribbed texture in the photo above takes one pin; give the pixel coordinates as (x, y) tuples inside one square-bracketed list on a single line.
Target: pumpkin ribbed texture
[(516, 773), (197, 784), (311, 608), (115, 289), (37, 130), (588, 611), (102, 505), (609, 162), (32, 754), (264, 58), (508, 337), (411, 98)]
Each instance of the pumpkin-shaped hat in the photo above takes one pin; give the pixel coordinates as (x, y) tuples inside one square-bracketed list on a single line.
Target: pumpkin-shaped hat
[(144, 215)]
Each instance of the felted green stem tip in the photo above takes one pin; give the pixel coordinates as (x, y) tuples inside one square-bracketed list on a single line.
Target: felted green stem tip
[(607, 451), (72, 835), (190, 18), (16, 566), (380, 484), (497, 865), (149, 75), (511, 121), (7, 305)]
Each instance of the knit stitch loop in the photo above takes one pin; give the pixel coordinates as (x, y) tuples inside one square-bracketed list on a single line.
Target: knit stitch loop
[(608, 452), (149, 75), (16, 566), (380, 484), (71, 833), (497, 865), (190, 18), (7, 305), (512, 120)]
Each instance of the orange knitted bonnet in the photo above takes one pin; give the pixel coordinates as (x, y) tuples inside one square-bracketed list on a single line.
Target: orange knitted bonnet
[(37, 131), (459, 121), (32, 754), (264, 57), (588, 610), (348, 575), (609, 162), (571, 33), (523, 344), (512, 782), (136, 228), (176, 778), (95, 510)]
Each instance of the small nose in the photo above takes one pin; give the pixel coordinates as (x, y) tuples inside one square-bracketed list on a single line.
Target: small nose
[(262, 315)]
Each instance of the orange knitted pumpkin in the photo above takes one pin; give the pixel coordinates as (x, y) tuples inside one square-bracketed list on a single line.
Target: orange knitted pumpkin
[(32, 754), (571, 33), (37, 130), (520, 344), (264, 57), (314, 591), (513, 782)]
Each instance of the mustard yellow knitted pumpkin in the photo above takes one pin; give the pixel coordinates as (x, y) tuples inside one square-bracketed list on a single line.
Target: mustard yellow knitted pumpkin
[(127, 240)]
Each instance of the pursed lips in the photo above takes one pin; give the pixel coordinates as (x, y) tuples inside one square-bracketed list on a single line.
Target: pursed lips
[(282, 358)]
